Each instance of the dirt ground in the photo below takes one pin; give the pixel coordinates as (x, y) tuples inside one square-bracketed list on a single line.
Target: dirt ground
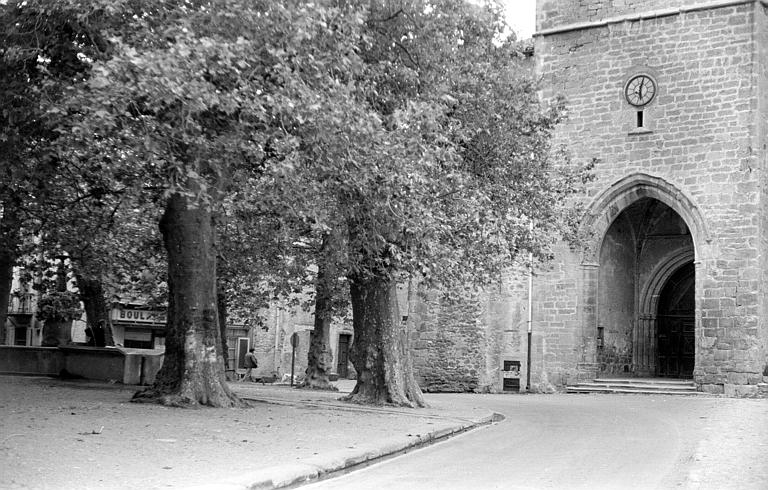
[(68, 434)]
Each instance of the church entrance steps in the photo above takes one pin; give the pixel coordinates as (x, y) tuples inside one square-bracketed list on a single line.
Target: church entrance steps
[(656, 386)]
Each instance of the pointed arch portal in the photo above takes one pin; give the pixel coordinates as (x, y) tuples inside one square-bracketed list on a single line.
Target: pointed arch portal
[(640, 314)]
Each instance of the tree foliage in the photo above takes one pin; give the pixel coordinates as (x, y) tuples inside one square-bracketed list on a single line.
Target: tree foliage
[(197, 106), (344, 145), (437, 165)]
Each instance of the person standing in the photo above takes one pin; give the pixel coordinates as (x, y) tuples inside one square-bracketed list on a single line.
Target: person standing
[(250, 363)]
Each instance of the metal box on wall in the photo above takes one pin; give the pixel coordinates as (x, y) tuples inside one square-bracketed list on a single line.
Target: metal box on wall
[(510, 376)]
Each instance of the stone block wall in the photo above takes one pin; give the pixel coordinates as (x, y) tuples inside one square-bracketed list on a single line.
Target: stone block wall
[(447, 344), (273, 345), (556, 13), (616, 299), (700, 137), (761, 29), (459, 343), (557, 326)]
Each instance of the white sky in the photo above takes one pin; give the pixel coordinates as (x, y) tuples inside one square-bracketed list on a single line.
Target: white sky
[(521, 15)]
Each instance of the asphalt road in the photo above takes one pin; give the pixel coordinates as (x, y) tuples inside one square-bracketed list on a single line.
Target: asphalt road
[(589, 441)]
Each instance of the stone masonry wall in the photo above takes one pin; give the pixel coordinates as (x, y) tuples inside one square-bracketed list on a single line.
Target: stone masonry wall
[(557, 13), (460, 344), (761, 29), (699, 136), (448, 345), (557, 325), (616, 298)]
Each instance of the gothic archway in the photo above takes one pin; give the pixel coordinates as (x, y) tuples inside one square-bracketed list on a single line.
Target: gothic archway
[(646, 334), (675, 331), (643, 230), (604, 209)]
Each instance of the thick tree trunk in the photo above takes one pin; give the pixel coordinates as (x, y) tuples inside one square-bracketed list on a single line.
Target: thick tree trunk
[(9, 241), (221, 303), (380, 350), (6, 282), (96, 310), (319, 357), (193, 369)]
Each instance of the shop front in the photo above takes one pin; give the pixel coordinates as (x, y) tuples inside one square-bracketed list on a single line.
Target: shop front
[(138, 328)]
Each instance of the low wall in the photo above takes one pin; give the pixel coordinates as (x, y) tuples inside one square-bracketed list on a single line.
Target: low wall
[(102, 363), (42, 361), (129, 366), (141, 367)]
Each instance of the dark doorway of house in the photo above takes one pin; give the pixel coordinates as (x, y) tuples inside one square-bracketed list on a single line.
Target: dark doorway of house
[(343, 357), (676, 325)]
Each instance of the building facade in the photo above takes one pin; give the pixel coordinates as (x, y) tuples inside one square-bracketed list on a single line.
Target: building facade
[(670, 99)]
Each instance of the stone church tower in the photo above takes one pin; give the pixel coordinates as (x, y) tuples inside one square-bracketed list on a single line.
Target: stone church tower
[(670, 99)]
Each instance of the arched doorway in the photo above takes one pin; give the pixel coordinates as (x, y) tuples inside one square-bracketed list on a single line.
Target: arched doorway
[(646, 291), (675, 339), (643, 229)]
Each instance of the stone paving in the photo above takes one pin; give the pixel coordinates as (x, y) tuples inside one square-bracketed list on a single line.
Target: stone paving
[(80, 435)]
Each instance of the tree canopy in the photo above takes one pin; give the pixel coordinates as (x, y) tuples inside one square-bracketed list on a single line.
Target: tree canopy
[(343, 145)]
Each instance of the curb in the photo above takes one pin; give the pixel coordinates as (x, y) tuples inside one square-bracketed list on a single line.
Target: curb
[(323, 466)]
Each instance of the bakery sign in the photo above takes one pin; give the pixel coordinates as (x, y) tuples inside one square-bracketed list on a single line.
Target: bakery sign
[(138, 316)]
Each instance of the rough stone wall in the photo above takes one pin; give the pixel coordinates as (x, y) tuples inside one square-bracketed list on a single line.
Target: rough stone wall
[(557, 324), (506, 325), (761, 28), (448, 343), (699, 137), (616, 297), (556, 13), (460, 344), (273, 345)]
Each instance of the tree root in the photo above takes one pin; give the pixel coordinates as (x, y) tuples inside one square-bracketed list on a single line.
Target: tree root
[(359, 399), (179, 400), (324, 385)]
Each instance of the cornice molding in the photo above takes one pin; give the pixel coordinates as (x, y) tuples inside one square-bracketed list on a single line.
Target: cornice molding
[(653, 14)]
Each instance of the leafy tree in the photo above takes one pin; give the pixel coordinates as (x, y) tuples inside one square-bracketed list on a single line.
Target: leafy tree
[(61, 196), (39, 47), (200, 97), (388, 140), (440, 167)]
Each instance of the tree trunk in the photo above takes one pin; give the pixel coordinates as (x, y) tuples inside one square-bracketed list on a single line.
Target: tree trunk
[(6, 282), (319, 357), (96, 310), (380, 350), (221, 303), (9, 241), (193, 370)]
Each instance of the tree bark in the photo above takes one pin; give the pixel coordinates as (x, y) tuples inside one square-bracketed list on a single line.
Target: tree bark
[(96, 310), (6, 281), (380, 350), (7, 261), (221, 303), (193, 370), (319, 357), (9, 242)]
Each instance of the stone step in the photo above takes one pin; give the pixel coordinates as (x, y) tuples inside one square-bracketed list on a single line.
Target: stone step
[(655, 381), (600, 389), (647, 386), (635, 385)]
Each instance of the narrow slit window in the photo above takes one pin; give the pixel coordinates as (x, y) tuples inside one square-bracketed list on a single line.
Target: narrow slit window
[(640, 119)]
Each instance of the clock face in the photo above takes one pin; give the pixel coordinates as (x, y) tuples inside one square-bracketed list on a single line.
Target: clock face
[(640, 90)]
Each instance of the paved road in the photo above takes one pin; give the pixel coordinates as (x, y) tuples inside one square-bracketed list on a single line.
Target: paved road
[(589, 442)]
